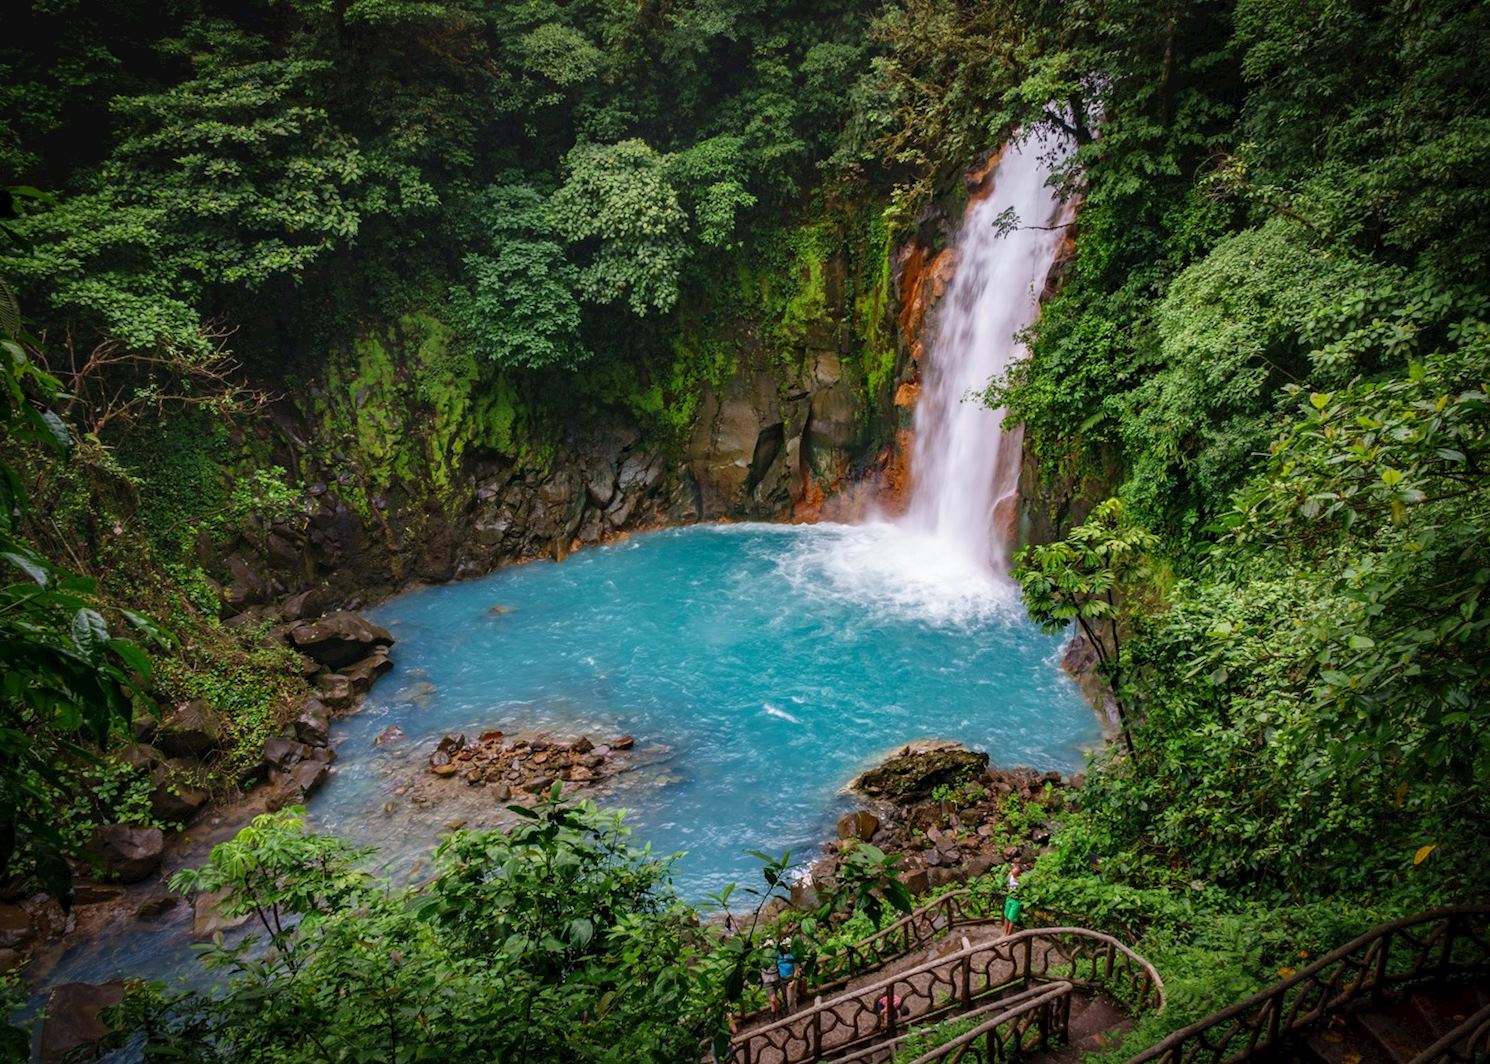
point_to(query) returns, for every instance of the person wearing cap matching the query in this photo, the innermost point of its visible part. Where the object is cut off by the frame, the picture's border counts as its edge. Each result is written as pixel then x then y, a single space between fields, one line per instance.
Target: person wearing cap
pixel 786 969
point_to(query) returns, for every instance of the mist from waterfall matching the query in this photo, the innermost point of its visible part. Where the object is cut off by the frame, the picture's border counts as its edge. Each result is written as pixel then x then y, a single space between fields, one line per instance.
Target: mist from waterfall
pixel 964 466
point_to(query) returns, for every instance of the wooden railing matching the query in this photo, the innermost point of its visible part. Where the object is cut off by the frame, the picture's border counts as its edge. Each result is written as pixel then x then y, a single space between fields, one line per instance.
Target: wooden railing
pixel 1469 1043
pixel 1437 945
pixel 1030 1024
pixel 1006 1009
pixel 950 985
pixel 919 928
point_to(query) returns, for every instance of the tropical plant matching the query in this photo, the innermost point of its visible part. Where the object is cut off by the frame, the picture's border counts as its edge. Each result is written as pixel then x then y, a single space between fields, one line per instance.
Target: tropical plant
pixel 1090 578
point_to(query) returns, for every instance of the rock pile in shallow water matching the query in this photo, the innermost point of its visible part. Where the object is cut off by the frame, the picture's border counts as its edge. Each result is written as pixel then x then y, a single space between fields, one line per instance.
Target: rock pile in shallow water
pixel 527 766
pixel 950 816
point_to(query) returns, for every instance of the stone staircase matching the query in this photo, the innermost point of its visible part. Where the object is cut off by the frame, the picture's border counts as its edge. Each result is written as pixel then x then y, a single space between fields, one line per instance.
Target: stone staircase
pixel 1397 1029
pixel 1415 991
pixel 1019 994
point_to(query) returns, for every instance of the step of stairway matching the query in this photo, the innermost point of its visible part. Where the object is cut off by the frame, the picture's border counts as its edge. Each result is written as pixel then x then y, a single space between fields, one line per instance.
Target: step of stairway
pixel 1094 1025
pixel 1393 1030
pixel 1398 1027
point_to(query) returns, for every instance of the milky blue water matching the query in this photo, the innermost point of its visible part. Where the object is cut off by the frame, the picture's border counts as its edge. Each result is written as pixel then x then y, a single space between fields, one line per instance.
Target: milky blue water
pixel 760 668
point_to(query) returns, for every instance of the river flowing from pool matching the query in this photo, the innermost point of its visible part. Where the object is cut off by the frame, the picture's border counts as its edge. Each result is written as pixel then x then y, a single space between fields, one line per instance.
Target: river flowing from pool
pixel 760 667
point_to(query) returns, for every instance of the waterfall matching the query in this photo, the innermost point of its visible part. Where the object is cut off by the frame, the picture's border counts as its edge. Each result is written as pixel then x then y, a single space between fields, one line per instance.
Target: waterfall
pixel 964 466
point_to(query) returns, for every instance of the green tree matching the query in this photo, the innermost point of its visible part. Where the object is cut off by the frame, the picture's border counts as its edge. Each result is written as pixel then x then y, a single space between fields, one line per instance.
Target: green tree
pixel 1090 577
pixel 67 682
pixel 618 210
pixel 553 941
pixel 519 303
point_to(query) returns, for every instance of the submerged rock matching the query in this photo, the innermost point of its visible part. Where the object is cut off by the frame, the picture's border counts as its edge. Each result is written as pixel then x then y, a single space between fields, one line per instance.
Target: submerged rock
pixel 154 908
pixel 207 918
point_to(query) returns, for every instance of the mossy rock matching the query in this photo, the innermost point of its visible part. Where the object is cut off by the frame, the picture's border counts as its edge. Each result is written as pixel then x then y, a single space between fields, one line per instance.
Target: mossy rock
pixel 914 772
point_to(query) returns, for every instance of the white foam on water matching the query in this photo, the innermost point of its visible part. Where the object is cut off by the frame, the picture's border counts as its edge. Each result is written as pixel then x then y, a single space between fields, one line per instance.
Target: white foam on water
pixel 780 714
pixel 893 571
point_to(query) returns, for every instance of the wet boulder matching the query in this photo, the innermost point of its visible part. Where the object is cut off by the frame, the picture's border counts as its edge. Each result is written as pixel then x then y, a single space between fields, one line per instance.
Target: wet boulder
pixel 246 586
pixel 313 723
pixel 305 606
pixel 916 880
pixel 916 771
pixel 298 784
pixel 191 729
pixel 141 756
pixel 125 852
pixel 860 824
pixel 280 753
pixel 363 674
pixel 73 1019
pixel 176 793
pixel 339 639
pixel 16 928
pixel 335 690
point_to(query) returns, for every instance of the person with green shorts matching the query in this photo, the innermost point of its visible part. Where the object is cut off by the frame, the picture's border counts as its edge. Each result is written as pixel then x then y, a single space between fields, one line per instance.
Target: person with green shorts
pixel 1011 902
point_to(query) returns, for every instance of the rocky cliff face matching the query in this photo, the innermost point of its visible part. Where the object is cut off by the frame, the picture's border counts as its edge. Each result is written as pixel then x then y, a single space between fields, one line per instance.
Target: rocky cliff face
pixel 414 467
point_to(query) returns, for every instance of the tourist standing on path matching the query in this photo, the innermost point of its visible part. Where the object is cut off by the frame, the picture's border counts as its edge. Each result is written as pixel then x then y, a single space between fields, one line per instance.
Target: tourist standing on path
pixel 771 979
pixel 1011 903
pixel 786 968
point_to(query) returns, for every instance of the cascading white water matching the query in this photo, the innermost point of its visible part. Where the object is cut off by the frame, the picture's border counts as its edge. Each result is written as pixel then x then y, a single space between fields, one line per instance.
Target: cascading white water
pixel 964 467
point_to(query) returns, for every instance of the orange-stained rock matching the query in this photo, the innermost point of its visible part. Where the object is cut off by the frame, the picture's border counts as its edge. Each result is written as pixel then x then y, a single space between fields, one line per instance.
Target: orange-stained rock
pixel 908 393
pixel 923 279
pixel 808 508
pixel 979 179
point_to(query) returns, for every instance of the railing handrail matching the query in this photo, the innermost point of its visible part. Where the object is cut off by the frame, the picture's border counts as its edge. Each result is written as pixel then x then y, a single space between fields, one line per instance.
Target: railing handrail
pixel 1051 992
pixel 981 1012
pixel 1279 990
pixel 887 984
pixel 910 921
pixel 1465 1042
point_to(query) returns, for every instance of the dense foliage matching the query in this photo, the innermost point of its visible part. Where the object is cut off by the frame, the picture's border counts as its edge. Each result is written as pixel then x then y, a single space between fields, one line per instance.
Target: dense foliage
pixel 1296 395
pixel 1274 329
pixel 548 170
pixel 553 941
pixel 67 682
